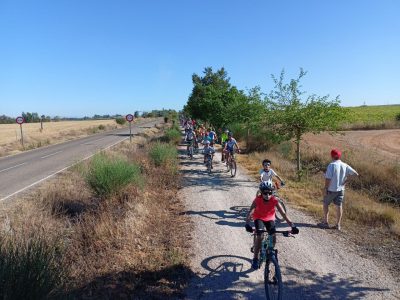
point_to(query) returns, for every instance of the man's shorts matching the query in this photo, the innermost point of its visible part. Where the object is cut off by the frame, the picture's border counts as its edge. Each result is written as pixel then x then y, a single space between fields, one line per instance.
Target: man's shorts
pixel 336 197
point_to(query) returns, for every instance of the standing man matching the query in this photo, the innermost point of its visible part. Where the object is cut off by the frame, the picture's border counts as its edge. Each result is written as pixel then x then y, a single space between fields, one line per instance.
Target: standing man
pixel 337 174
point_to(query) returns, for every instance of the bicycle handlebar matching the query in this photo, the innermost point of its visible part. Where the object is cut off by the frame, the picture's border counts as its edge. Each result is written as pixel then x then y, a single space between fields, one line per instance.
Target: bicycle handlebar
pixel 285 233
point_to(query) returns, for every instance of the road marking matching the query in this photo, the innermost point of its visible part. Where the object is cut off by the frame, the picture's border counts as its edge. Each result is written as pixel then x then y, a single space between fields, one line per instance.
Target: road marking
pixel 59 171
pixel 51 154
pixel 12 167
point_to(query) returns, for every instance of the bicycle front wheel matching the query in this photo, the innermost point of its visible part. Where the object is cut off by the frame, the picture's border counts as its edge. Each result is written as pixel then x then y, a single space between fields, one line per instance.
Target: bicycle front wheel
pixel 273 279
pixel 233 168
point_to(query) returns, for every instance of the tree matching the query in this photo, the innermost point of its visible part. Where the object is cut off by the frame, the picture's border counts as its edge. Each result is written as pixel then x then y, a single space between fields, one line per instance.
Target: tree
pixel 211 96
pixel 136 114
pixel 294 114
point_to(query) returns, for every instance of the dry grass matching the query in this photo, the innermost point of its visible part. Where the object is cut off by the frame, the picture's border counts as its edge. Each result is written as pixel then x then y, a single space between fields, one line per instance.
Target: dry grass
pixel 53 132
pixel 120 246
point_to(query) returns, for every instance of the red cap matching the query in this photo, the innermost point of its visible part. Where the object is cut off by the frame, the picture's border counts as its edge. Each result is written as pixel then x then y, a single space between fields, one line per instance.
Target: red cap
pixel 335 153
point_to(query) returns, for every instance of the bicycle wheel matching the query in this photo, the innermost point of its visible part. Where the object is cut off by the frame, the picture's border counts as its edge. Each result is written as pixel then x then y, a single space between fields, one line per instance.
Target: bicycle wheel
pixel 278 215
pixel 191 152
pixel 273 279
pixel 233 168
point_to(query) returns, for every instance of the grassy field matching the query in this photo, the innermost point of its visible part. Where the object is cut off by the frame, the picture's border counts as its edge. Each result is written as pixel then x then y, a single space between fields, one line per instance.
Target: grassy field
pixel 373 117
pixel 52 133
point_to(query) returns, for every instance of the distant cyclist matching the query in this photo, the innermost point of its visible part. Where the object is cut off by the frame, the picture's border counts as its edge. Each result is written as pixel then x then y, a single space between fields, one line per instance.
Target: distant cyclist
pixel 190 138
pixel 208 150
pixel 230 145
pixel 212 135
pixel 262 211
pixel 224 138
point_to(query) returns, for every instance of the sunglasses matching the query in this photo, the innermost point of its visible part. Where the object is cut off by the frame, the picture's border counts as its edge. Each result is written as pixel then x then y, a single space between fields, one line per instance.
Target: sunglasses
pixel 267 165
pixel 266 193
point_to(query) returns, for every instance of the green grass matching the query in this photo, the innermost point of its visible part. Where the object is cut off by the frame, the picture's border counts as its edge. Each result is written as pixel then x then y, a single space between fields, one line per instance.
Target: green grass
pixel 373 117
pixel 28 267
pixel 107 175
pixel 173 135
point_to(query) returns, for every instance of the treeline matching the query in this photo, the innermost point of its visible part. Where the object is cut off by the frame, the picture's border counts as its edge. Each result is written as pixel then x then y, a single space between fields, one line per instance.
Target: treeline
pixel 33 117
pixel 284 113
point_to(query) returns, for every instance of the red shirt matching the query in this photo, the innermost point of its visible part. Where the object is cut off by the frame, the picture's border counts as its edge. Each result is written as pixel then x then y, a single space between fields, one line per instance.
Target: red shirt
pixel 265 210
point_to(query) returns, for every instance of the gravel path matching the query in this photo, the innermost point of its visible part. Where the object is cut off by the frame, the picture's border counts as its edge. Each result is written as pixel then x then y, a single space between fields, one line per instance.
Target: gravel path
pixel 316 264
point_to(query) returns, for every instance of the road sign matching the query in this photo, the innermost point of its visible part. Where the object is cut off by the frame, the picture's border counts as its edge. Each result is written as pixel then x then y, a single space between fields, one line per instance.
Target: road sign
pixel 19 120
pixel 129 118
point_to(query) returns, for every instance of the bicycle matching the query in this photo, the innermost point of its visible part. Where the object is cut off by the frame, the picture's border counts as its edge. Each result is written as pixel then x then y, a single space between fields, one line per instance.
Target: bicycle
pixel 190 149
pixel 272 273
pixel 209 160
pixel 230 163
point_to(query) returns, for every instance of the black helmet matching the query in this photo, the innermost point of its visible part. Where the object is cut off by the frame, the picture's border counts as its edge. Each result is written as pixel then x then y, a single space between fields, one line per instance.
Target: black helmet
pixel 266 187
pixel 230 134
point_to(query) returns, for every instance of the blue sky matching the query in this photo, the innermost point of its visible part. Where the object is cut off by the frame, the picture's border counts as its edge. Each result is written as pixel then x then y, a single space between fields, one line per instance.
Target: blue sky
pixel 86 57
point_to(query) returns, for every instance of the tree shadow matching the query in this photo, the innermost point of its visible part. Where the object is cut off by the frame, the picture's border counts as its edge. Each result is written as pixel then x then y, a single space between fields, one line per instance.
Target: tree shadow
pixel 166 283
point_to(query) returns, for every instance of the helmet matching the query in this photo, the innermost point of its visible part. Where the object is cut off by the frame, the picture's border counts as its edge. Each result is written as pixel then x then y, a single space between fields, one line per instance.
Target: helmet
pixel 229 134
pixel 266 187
pixel 226 130
pixel 207 142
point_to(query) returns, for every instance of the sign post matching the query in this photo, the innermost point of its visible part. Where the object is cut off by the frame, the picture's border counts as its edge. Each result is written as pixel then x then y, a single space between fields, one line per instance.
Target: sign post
pixel 20 121
pixel 129 118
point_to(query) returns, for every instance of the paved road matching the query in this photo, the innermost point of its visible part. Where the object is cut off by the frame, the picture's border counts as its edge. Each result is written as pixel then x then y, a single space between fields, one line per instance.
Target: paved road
pixel 22 171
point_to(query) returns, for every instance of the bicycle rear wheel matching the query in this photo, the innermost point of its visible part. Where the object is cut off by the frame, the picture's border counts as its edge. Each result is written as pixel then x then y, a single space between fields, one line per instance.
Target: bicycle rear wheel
pixel 278 216
pixel 273 279
pixel 233 168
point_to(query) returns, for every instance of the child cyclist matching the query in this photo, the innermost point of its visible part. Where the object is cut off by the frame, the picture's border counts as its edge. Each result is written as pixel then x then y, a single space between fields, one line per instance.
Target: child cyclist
pixel 266 174
pixel 262 210
pixel 208 150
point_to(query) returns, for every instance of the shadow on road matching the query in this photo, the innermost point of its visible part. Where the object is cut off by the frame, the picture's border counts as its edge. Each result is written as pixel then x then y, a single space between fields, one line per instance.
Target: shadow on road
pixel 224 272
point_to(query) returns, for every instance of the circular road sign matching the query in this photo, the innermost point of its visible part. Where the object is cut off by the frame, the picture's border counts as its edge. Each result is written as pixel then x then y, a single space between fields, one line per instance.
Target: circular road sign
pixel 19 120
pixel 129 118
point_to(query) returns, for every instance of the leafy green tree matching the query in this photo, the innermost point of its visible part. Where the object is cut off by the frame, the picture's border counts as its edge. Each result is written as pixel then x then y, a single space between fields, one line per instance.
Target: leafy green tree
pixel 211 96
pixel 294 114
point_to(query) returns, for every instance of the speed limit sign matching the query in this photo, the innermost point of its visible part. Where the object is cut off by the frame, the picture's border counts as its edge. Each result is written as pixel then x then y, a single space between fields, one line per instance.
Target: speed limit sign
pixel 19 120
pixel 129 118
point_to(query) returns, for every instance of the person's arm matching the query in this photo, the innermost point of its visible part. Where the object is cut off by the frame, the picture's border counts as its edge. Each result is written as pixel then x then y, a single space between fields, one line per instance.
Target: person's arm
pixel 327 183
pixel 237 146
pixel 251 211
pixel 283 214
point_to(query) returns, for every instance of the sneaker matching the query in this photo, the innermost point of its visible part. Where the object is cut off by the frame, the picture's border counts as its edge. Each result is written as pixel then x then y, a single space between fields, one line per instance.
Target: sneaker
pixel 255 264
pixel 323 225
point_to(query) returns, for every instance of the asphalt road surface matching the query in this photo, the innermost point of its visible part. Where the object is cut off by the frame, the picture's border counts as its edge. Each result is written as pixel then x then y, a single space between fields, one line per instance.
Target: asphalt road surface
pixel 23 171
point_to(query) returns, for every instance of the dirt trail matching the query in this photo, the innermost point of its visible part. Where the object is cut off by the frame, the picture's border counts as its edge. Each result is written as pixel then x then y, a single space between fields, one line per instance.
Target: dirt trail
pixel 315 265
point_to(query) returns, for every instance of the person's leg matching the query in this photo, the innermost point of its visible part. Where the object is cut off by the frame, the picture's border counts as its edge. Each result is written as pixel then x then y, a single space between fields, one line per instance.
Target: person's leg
pixel 338 201
pixel 328 198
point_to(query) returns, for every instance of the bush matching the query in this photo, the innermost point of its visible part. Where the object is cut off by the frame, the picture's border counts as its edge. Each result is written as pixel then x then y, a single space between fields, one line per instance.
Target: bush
pixel 163 154
pixel 173 135
pixel 398 117
pixel 107 176
pixel 28 268
pixel 120 121
pixel 102 127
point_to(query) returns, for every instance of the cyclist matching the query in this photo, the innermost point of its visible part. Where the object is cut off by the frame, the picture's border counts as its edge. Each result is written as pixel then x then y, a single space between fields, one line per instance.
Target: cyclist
pixel 266 174
pixel 262 210
pixel 230 146
pixel 224 138
pixel 208 150
pixel 190 138
pixel 212 135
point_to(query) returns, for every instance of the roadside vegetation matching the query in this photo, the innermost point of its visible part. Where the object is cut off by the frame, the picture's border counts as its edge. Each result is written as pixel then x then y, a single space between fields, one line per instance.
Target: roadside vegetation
pixel 372 117
pixel 109 227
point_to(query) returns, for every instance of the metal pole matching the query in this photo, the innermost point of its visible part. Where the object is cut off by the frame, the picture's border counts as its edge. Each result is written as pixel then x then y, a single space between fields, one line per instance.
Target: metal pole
pixel 130 132
pixel 22 136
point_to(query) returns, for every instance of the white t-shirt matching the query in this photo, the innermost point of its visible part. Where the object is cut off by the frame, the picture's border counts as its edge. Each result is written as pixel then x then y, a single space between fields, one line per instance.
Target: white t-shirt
pixel 267 176
pixel 337 172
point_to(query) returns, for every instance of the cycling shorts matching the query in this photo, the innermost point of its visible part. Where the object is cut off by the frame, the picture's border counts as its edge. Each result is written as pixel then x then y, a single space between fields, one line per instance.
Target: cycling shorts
pixel 264 225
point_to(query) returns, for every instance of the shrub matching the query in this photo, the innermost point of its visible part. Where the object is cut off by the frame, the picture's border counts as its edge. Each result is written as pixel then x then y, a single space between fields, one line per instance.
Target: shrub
pixel 28 267
pixel 102 127
pixel 398 117
pixel 120 121
pixel 173 135
pixel 107 175
pixel 163 154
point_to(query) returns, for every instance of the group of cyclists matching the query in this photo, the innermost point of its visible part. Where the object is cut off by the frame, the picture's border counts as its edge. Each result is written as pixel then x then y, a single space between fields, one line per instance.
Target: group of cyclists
pixel 262 209
pixel 196 134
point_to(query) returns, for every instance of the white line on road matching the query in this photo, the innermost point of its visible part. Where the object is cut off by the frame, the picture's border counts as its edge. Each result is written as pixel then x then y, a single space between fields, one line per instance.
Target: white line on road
pixel 51 154
pixel 12 167
pixel 59 171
